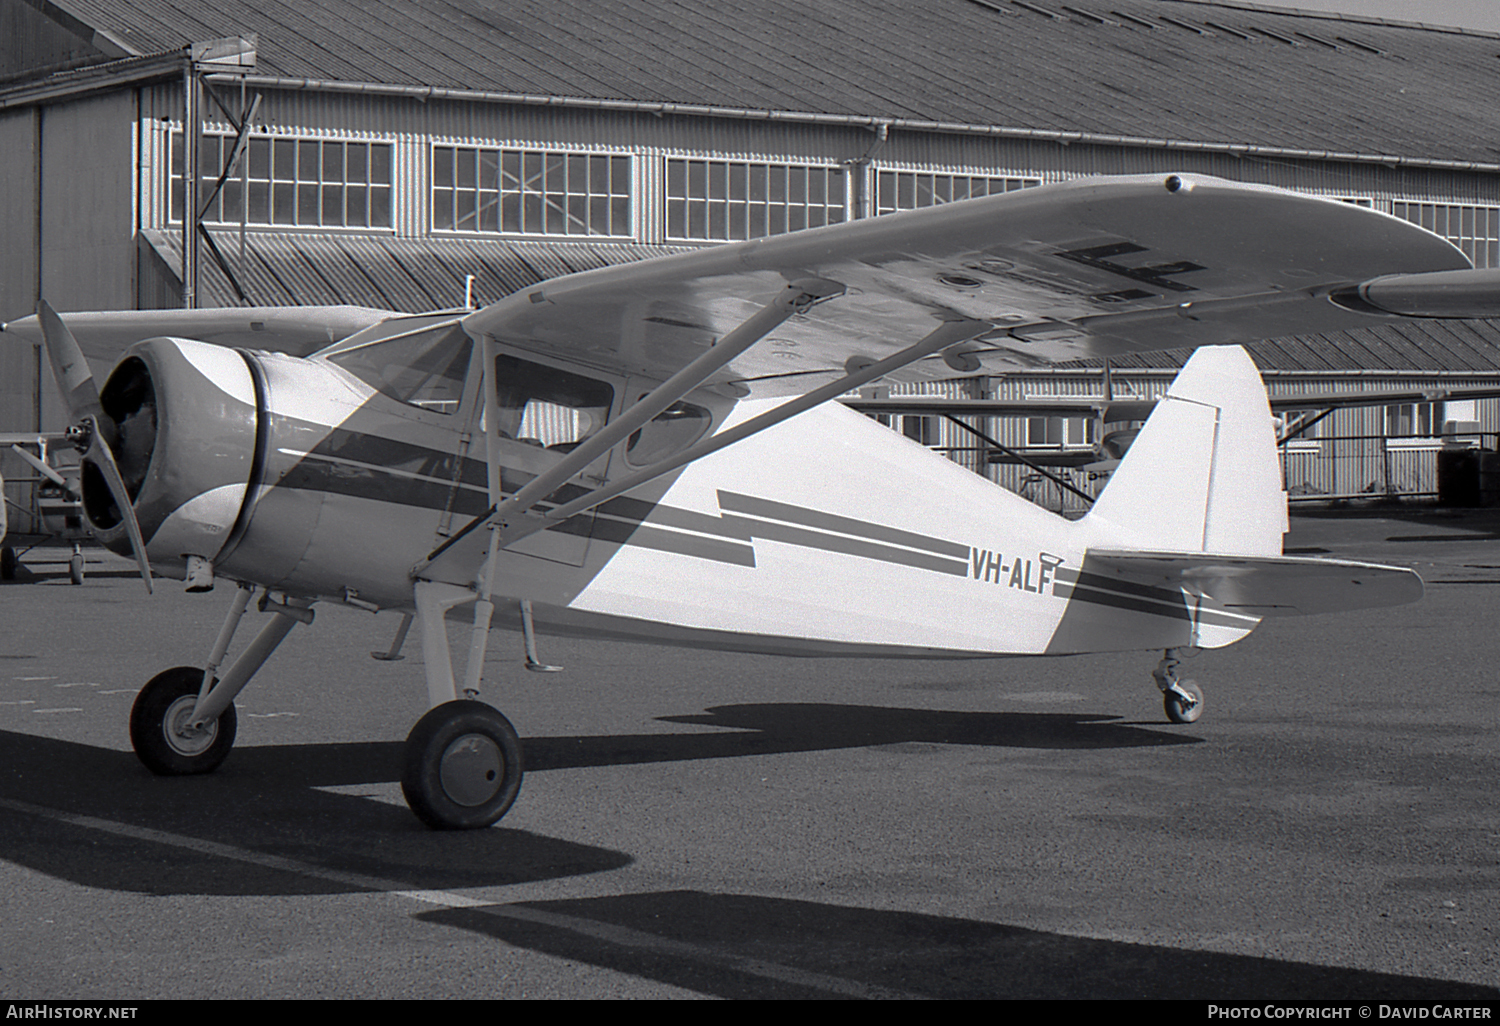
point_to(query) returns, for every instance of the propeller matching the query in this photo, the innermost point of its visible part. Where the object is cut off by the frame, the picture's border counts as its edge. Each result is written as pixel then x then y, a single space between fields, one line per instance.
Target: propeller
pixel 93 430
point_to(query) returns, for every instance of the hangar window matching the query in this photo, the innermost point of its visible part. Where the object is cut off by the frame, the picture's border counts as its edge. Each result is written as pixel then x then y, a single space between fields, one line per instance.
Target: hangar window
pixel 1059 432
pixel 1473 229
pixel 732 201
pixel 1412 421
pixel 908 190
pixel 296 182
pixel 530 192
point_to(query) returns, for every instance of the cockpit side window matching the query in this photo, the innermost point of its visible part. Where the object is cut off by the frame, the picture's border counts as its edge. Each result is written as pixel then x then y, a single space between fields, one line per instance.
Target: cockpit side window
pixel 425 368
pixel 547 407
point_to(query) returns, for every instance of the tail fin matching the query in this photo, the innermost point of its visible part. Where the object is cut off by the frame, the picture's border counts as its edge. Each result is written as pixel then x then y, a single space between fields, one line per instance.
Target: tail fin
pixel 1203 474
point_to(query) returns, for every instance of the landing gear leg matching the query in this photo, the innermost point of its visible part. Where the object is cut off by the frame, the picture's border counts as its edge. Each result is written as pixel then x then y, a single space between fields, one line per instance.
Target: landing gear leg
pixel 1181 699
pixel 462 768
pixel 183 720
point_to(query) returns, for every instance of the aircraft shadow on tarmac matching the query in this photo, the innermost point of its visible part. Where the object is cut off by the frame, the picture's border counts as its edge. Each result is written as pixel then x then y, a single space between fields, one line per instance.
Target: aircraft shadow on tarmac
pixel 274 800
pixel 740 946
pixel 772 728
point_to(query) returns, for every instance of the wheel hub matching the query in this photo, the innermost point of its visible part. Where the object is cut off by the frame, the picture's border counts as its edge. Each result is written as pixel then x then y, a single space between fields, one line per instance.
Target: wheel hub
pixel 178 730
pixel 472 770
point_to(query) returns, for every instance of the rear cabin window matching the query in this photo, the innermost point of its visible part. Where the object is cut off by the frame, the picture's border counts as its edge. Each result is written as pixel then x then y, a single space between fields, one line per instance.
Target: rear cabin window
pixel 668 433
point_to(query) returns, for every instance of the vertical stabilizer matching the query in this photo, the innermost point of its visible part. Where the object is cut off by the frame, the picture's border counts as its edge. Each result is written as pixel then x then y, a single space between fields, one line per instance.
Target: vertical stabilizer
pixel 1203 475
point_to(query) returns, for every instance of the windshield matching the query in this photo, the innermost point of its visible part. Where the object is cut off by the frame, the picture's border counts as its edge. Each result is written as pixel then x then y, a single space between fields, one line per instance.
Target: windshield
pixel 425 367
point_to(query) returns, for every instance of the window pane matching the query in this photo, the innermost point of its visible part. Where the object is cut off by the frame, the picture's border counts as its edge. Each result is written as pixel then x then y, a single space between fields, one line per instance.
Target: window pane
pixel 380 163
pixel 260 159
pixel 307 160
pixel 442 167
pixel 284 203
pixel 308 205
pixel 284 160
pixel 356 156
pixel 380 206
pixel 355 213
pixel 442 208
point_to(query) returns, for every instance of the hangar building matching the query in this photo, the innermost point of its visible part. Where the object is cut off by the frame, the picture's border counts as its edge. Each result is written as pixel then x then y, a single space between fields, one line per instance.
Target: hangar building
pixel 420 155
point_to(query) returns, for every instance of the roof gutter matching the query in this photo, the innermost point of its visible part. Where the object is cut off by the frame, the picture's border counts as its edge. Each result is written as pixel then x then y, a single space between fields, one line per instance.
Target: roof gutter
pixel 94 78
pixel 426 93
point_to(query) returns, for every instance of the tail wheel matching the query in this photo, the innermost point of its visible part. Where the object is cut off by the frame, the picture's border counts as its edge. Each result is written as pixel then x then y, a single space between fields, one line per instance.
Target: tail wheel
pixel 462 766
pixel 160 728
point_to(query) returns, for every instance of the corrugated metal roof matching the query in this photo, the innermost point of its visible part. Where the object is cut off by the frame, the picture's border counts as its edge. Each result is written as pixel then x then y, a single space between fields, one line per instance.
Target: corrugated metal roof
pixel 387 272
pixel 1186 70
pixel 417 275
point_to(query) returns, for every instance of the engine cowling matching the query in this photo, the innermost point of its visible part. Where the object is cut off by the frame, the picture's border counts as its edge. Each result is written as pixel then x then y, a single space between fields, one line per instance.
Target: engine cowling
pixel 187 425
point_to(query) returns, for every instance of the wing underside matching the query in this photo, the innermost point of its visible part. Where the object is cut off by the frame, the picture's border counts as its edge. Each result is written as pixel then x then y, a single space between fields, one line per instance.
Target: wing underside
pixel 1088 268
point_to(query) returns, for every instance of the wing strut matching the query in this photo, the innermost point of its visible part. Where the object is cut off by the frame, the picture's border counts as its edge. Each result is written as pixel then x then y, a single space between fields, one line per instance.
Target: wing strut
pixel 512 529
pixel 796 298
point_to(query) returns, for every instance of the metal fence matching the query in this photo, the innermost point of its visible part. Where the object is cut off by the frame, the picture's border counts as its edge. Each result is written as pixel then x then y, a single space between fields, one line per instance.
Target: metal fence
pixel 1336 467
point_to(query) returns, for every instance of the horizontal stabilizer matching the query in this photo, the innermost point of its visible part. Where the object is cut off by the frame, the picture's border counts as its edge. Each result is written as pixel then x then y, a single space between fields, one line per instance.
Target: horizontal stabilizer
pixel 1268 585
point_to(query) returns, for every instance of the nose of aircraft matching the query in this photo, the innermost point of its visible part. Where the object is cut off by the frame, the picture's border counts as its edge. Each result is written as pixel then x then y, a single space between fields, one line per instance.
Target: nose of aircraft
pixel 92 430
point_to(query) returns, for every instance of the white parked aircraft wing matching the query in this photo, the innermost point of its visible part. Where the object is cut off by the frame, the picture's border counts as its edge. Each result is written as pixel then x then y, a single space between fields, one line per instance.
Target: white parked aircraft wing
pixel 298 330
pixel 1088 268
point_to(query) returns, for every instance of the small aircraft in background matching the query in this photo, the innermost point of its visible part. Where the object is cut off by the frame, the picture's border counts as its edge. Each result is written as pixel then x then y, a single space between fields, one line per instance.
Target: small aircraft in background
pixel 650 451
pixel 58 502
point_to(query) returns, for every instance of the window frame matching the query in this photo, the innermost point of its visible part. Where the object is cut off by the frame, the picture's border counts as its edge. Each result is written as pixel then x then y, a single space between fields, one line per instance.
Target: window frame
pixel 1482 249
pixel 617 208
pixel 262 151
pixel 733 214
pixel 879 207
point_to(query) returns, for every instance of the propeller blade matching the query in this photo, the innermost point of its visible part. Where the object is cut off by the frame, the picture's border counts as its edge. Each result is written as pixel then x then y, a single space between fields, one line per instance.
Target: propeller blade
pixel 74 379
pixel 98 451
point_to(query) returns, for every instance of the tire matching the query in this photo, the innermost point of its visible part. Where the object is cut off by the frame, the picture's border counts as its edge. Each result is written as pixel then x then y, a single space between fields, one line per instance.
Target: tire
pixel 75 568
pixel 167 698
pixel 1179 711
pixel 8 564
pixel 463 766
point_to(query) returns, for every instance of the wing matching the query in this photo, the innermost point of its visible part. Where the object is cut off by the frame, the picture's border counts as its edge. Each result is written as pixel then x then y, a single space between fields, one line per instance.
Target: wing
pixel 298 330
pixel 1088 268
pixel 1268 585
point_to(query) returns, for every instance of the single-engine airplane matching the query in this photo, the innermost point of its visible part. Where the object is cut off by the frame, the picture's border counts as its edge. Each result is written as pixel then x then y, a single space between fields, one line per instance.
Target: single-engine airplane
pixel 648 451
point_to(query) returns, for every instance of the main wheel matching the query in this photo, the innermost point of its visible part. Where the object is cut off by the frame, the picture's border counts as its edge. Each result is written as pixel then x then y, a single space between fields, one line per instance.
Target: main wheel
pixel 1180 710
pixel 159 728
pixel 8 564
pixel 463 766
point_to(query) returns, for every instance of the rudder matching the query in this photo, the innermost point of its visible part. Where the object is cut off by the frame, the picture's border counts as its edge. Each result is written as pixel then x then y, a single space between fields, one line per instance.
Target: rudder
pixel 1203 475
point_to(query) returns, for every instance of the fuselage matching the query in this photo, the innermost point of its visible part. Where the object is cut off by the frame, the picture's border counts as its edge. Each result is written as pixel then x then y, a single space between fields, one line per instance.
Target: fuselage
pixel 827 534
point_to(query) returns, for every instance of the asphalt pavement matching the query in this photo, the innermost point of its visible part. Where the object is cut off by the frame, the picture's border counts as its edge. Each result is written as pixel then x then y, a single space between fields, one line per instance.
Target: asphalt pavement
pixel 699 824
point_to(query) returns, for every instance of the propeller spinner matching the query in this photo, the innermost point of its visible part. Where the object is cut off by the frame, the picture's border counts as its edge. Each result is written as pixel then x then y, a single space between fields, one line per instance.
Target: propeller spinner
pixel 92 431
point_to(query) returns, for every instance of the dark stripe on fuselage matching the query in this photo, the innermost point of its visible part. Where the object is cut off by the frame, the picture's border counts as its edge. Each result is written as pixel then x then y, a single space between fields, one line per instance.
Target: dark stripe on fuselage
pixel 381 469
pixel 767 509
